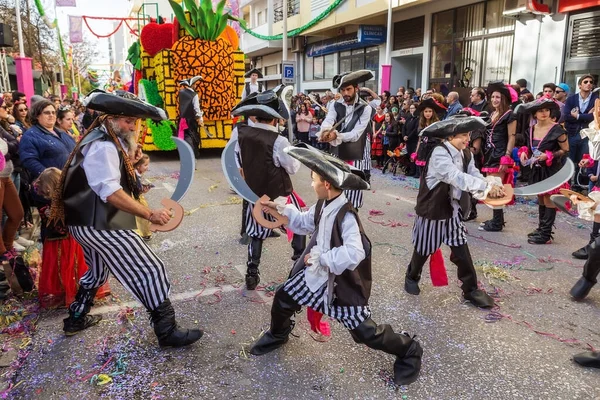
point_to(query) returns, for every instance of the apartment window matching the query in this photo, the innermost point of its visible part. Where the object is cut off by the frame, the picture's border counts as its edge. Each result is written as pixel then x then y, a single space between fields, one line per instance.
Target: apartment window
pixel 271 70
pixel 293 9
pixel 471 46
pixel 321 67
pixel 259 18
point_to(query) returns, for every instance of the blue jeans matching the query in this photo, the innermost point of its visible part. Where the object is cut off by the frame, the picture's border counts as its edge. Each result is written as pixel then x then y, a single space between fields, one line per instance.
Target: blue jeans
pixel 577 148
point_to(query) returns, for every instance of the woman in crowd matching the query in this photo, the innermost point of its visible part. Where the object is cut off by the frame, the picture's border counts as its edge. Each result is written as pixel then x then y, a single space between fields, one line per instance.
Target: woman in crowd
pixel 303 121
pixel 428 111
pixel 500 143
pixel 64 122
pixel 20 114
pixel 391 133
pixel 410 131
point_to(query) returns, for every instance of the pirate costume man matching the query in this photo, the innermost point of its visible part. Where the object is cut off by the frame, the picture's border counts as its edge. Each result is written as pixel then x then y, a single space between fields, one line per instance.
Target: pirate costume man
pixel 95 199
pixel 448 177
pixel 190 114
pixel 333 276
pixel 349 140
pixel 266 169
pixel 252 86
pixel 499 146
pixel 544 154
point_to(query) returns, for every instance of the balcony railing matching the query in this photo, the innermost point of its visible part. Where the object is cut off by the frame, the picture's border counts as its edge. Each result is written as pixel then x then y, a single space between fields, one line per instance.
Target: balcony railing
pixel 293 9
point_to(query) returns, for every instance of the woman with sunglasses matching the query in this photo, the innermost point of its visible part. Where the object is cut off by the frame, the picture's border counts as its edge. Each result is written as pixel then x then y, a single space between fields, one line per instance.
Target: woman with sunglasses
pixel 20 114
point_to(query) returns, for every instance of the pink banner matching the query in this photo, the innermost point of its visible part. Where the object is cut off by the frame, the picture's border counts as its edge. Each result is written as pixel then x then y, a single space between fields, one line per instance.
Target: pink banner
pixel 75 29
pixel 66 3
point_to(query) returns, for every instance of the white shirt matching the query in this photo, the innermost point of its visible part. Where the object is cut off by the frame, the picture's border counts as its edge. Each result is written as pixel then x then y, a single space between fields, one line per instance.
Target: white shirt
pixel 336 260
pixel 101 166
pixel 196 103
pixel 448 168
pixel 280 159
pixel 358 129
pixel 253 88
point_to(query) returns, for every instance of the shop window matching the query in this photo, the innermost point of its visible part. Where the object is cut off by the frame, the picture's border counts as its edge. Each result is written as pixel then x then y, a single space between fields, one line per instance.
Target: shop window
pixel 469 21
pixel 318 68
pixel 443 24
pixel 361 59
pixel 409 33
pixel 321 67
pixel 308 68
pixel 497 60
pixel 329 66
pixel 495 22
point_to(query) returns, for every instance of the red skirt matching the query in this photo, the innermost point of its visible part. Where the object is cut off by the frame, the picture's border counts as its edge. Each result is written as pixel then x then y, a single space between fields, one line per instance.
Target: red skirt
pixel 62 266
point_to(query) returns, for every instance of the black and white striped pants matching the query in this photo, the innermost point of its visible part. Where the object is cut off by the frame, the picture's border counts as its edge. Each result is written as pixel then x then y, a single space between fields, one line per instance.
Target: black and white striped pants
pixel 254 229
pixel 428 235
pixel 128 257
pixel 351 316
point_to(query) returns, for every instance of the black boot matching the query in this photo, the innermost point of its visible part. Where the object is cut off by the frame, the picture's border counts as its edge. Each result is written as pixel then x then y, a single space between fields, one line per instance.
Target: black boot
pixel 408 351
pixel 298 245
pixel 254 253
pixel 591 269
pixel 282 310
pixel 496 224
pixel 461 257
pixel 590 359
pixel 544 235
pixel 582 253
pixel 166 329
pixel 413 273
pixel 542 211
pixel 79 319
pixel 275 234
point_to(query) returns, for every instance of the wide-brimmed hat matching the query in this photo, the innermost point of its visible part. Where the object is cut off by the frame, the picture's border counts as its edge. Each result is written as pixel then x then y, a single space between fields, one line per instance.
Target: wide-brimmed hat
pixel 253 71
pixel 433 104
pixel 540 104
pixel 453 126
pixel 334 171
pixel 265 105
pixel 505 90
pixel 122 103
pixel 351 78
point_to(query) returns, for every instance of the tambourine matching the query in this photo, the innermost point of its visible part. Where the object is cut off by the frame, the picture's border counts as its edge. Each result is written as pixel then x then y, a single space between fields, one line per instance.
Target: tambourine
pixel 257 213
pixel 176 216
pixel 501 201
pixel 568 193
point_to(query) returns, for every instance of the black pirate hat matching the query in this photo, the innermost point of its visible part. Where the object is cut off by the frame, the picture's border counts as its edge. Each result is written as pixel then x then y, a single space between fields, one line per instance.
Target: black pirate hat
pixel 253 71
pixel 351 78
pixel 540 104
pixel 433 104
pixel 265 105
pixel 334 171
pixel 122 103
pixel 505 90
pixel 453 126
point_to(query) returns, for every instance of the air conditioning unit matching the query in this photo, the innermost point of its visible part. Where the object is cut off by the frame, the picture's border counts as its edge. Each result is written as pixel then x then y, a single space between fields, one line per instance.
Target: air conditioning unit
pixel 298 44
pixel 514 8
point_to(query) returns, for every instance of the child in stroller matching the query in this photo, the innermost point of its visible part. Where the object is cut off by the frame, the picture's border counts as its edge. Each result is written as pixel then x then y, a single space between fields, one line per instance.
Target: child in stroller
pixel 398 159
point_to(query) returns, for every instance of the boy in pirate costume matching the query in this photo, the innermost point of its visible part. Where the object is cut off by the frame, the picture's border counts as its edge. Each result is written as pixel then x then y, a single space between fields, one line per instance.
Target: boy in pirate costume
pixel 448 177
pixel 333 276
pixel 95 199
pixel 266 169
pixel 190 114
pixel 351 117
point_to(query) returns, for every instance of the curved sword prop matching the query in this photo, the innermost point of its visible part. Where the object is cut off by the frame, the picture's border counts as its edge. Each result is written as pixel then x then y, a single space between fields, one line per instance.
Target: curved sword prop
pixel 186 177
pixel 233 176
pixel 549 184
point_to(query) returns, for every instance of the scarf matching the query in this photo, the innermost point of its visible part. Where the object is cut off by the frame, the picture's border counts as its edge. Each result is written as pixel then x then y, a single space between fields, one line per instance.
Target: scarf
pixel 57 210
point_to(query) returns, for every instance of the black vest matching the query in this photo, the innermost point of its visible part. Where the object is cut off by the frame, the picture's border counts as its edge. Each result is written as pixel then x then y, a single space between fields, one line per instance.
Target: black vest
pixel 436 203
pixel 186 105
pixel 83 207
pixel 260 87
pixel 260 172
pixel 350 151
pixel 351 288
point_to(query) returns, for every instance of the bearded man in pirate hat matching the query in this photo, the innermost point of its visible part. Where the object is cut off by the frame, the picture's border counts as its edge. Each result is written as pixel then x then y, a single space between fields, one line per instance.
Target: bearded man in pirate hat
pixel 349 139
pixel 95 199
pixel 266 169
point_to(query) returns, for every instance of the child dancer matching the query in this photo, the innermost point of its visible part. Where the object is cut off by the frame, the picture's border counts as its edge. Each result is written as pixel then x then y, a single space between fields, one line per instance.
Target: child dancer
pixel 333 276
pixel 63 263
pixel 143 225
pixel 448 177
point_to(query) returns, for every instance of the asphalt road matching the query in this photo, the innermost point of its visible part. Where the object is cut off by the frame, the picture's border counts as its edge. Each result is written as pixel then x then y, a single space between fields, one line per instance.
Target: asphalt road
pixel 522 350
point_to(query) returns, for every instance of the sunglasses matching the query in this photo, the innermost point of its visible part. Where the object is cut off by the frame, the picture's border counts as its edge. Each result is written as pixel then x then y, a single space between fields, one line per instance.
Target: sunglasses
pixel 49 112
pixel 559 91
pixel 587 81
pixel 22 109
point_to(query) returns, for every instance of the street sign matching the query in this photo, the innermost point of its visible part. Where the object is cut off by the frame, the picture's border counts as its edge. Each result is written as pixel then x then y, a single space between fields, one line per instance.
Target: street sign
pixel 288 76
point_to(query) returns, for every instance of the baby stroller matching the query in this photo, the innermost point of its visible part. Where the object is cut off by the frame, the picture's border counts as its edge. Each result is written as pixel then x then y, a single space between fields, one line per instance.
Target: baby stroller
pixel 398 159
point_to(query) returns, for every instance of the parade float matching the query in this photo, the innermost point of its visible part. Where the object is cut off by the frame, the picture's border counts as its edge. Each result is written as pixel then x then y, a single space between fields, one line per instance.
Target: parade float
pixel 198 42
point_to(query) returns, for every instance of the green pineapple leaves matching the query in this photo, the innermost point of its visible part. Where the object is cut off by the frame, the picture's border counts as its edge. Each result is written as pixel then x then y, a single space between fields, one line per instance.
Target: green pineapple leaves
pixel 208 23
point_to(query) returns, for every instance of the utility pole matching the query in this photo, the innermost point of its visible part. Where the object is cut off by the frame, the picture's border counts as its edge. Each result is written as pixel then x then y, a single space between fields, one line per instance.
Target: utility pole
pixel 23 65
pixel 284 37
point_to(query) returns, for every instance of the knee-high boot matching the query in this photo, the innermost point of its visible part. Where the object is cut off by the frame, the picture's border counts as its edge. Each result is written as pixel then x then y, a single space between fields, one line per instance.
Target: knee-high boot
pixel 542 211
pixel 461 257
pixel 79 319
pixel 496 224
pixel 282 310
pixel 166 329
pixel 591 269
pixel 544 235
pixel 254 254
pixel 408 351
pixel 298 245
pixel 413 273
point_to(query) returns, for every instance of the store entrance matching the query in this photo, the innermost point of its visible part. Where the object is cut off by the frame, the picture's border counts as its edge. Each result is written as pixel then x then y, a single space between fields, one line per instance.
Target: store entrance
pixel 406 71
